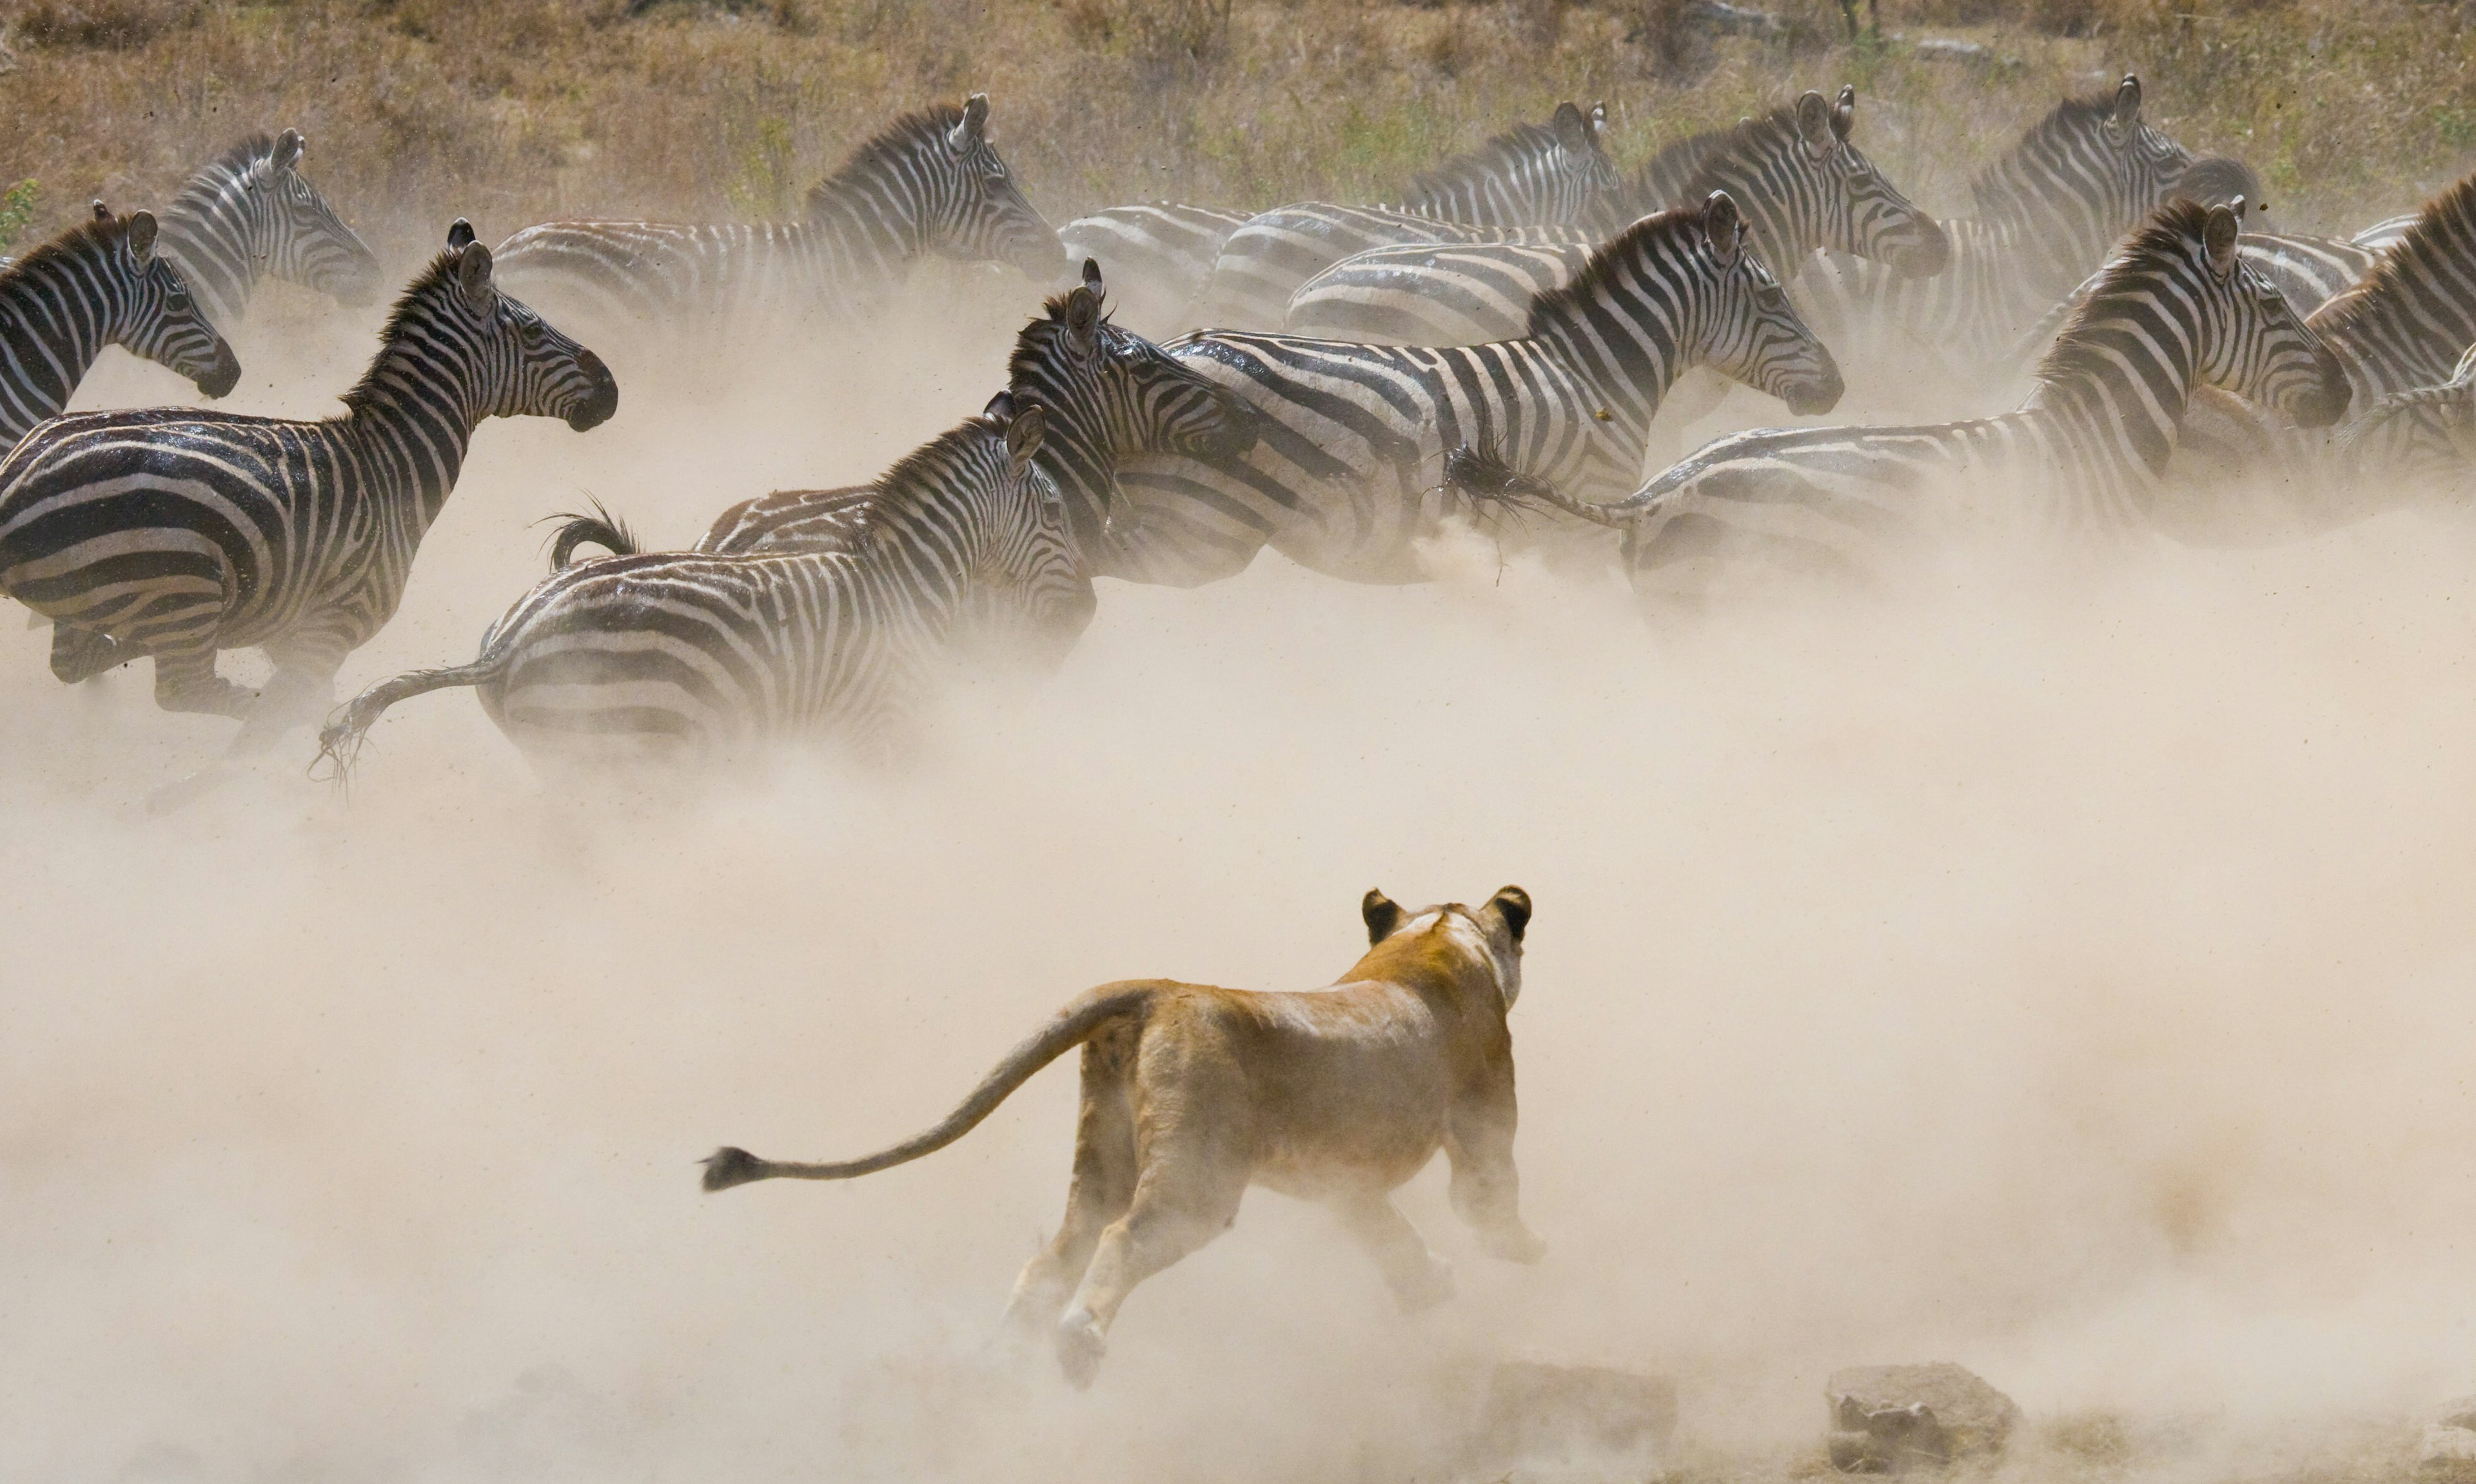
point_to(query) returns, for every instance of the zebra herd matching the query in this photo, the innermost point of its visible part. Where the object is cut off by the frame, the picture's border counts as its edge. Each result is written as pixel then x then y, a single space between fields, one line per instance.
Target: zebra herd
pixel 1503 346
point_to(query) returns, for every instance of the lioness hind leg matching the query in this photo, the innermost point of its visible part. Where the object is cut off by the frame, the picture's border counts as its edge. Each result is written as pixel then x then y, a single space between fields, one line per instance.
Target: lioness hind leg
pixel 1418 1278
pixel 1103 1184
pixel 1176 1210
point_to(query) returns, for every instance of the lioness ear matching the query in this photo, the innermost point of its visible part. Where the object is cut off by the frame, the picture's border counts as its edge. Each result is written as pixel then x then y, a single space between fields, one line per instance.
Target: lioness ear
pixel 1514 905
pixel 1383 914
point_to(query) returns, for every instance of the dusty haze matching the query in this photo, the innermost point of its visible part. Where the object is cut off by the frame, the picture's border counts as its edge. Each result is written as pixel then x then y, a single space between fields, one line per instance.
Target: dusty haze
pixel 2074 983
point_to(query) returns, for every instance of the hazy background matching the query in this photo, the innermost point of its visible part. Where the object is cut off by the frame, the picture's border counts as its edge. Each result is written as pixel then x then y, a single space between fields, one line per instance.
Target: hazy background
pixel 2075 983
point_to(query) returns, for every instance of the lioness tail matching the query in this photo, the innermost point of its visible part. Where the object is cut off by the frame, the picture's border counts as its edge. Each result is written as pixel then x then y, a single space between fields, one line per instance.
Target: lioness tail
pixel 1077 1023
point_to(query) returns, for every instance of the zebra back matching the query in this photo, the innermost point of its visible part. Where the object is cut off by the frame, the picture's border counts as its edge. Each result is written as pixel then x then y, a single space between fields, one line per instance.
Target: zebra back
pixel 1530 175
pixel 1157 256
pixel 249 212
pixel 100 283
pixel 2408 321
pixel 2422 440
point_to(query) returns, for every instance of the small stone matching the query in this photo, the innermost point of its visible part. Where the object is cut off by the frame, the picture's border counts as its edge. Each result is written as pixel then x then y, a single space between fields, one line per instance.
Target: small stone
pixel 1885 1419
pixel 1537 1409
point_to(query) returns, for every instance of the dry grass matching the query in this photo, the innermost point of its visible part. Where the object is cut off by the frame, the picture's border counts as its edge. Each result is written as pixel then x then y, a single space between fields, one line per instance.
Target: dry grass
pixel 517 110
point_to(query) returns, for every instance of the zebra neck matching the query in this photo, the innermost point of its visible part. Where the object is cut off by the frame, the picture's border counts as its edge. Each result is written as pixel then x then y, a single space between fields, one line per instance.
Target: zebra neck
pixel 415 419
pixel 220 243
pixel 2109 433
pixel 2027 262
pixel 52 328
pixel 1621 367
pixel 868 223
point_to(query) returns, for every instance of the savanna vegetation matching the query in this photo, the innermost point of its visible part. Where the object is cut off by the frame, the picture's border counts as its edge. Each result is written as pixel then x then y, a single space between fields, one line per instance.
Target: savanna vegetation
pixel 519 110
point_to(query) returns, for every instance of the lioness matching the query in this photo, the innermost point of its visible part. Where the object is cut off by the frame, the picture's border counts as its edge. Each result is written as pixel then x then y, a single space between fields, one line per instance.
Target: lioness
pixel 1191 1094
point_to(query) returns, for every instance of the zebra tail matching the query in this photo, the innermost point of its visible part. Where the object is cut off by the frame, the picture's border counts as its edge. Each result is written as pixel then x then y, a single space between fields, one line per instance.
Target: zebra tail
pixel 600 529
pixel 1485 477
pixel 1085 1017
pixel 339 742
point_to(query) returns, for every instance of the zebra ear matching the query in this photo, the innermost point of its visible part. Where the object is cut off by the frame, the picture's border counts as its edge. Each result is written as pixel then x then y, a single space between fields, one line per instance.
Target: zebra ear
pixel 141 237
pixel 1722 228
pixel 1023 434
pixel 102 212
pixel 1844 113
pixel 1382 914
pixel 2127 105
pixel 288 149
pixel 1572 131
pixel 1598 119
pixel 459 234
pixel 1083 318
pixel 975 121
pixel 1092 275
pixel 2219 235
pixel 1000 407
pixel 1813 124
pixel 473 275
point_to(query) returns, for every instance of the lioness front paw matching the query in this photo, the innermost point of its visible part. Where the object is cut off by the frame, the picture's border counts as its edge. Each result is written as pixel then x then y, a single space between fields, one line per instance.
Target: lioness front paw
pixel 1080 1348
pixel 1520 1245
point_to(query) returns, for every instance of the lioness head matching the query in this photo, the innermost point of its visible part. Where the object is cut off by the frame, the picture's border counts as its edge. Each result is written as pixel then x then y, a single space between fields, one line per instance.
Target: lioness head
pixel 1492 932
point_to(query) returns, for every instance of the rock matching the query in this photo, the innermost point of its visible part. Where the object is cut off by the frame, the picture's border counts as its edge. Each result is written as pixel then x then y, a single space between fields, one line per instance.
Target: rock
pixel 1951 49
pixel 2448 1446
pixel 1535 1408
pixel 1888 1418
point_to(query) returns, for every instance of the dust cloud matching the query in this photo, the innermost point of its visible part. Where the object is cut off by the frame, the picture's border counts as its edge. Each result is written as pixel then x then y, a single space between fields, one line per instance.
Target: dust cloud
pixel 2069 980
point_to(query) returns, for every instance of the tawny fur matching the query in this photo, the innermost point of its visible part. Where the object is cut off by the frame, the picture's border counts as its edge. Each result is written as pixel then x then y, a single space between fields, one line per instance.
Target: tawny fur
pixel 1191 1094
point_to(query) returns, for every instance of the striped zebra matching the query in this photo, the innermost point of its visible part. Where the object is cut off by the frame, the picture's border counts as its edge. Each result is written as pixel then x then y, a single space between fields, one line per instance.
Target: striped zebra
pixel 1801 182
pixel 100 283
pixel 930 183
pixel 2082 459
pixel 249 213
pixel 2049 212
pixel 1343 475
pixel 177 535
pixel 1546 187
pixel 705 658
pixel 1107 394
pixel 2420 441
pixel 1157 256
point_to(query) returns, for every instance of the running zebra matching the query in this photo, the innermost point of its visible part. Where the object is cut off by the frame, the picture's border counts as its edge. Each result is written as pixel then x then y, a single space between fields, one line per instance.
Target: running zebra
pixel 705 658
pixel 930 183
pixel 2421 442
pixel 249 212
pixel 2048 211
pixel 1107 393
pixel 1546 187
pixel 1801 183
pixel 1344 473
pixel 100 283
pixel 2081 461
pixel 177 534
pixel 1157 255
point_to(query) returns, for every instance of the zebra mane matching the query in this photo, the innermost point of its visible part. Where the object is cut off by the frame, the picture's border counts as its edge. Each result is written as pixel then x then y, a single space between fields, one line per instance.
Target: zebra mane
pixel 898 139
pixel 440 274
pixel 1038 332
pixel 67 244
pixel 2435 249
pixel 1661 181
pixel 2165 241
pixel 923 472
pixel 1612 258
pixel 1500 155
pixel 2072 118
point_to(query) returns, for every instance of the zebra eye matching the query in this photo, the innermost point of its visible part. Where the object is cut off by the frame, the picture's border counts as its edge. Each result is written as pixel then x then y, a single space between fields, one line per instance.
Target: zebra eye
pixel 530 330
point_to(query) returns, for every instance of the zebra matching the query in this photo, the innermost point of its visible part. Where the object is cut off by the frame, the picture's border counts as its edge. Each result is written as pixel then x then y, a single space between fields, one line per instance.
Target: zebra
pixel 1157 255
pixel 249 213
pixel 1106 394
pixel 2413 441
pixel 2050 210
pixel 930 183
pixel 104 282
pixel 1341 477
pixel 1801 182
pixel 177 535
pixel 2081 459
pixel 704 656
pixel 1543 185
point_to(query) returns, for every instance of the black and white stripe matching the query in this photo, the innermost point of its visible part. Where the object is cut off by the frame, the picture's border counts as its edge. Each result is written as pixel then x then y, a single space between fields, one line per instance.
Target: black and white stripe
pixel 177 535
pixel 1156 256
pixel 1344 474
pixel 1532 186
pixel 2047 213
pixel 250 213
pixel 1802 185
pixel 2080 461
pixel 931 182
pixel 694 657
pixel 100 283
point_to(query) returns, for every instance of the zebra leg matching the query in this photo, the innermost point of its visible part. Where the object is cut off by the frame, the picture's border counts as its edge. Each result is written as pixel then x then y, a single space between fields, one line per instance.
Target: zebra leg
pixel 83 653
pixel 185 681
pixel 301 689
